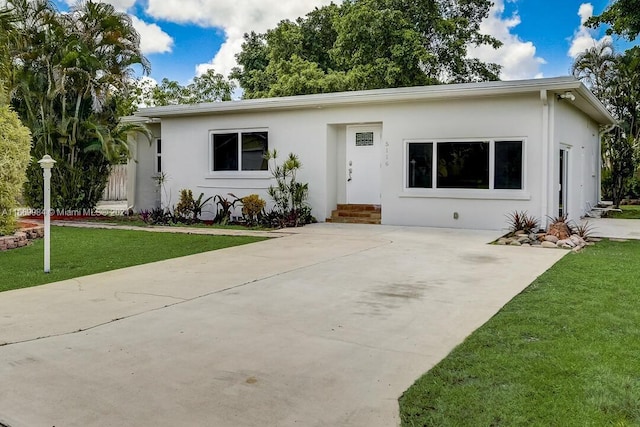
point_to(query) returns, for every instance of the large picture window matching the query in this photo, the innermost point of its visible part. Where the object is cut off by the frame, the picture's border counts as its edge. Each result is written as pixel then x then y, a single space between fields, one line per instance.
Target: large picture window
pixel 239 150
pixel 482 164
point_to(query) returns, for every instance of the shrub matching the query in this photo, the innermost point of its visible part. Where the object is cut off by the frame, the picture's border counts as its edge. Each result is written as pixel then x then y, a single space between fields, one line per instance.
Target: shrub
pixel 224 207
pixel 522 221
pixel 289 195
pixel 252 208
pixel 188 209
pixel 15 146
pixel 184 209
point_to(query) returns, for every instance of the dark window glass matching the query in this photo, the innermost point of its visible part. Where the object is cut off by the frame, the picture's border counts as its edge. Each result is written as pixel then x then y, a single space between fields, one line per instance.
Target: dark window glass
pixel 158 155
pixel 463 165
pixel 225 151
pixel 508 166
pixel 420 165
pixel 254 148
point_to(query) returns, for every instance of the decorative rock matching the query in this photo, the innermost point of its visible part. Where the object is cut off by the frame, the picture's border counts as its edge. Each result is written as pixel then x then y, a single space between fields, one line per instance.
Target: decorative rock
pixel 523 239
pixel 551 238
pixel 501 241
pixel 565 243
pixel 579 241
pixel 577 249
pixel 559 229
pixel 515 243
pixel 547 244
pixel 520 232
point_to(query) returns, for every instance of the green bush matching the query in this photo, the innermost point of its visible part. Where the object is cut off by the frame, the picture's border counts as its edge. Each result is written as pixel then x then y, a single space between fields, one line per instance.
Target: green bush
pixel 15 146
pixel 252 207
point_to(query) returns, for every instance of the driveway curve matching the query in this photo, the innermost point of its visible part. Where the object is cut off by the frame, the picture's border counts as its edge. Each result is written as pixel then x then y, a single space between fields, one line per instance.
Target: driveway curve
pixel 324 327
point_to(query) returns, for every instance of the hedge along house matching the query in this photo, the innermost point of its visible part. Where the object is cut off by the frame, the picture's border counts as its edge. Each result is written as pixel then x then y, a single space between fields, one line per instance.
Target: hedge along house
pixel 461 155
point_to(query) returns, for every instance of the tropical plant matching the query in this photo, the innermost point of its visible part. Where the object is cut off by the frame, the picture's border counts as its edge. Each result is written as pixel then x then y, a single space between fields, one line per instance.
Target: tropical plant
pixel 289 195
pixel 15 144
pixel 65 72
pixel 224 207
pixel 521 220
pixel 615 79
pixel 252 208
pixel 189 209
pixel 584 230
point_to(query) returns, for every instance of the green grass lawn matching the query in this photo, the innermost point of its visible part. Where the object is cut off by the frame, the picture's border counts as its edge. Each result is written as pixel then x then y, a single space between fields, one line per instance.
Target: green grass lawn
pixel 565 352
pixel 628 212
pixel 78 252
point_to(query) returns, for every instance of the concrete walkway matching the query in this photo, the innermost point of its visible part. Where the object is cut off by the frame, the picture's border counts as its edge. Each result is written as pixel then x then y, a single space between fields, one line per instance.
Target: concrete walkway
pixel 324 327
pixel 615 228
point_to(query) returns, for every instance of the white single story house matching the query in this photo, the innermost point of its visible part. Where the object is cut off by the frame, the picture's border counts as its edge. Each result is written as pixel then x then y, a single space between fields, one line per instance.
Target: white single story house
pixel 460 155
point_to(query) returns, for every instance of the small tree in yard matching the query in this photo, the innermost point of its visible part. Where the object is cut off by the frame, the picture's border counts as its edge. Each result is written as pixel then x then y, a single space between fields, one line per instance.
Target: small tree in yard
pixel 289 195
pixel 15 145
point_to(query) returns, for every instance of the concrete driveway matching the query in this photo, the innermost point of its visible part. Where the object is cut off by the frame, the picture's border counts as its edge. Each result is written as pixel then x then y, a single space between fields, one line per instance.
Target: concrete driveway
pixel 325 327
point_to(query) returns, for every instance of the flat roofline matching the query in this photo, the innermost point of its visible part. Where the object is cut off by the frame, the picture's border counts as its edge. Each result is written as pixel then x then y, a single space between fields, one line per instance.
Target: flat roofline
pixel 587 102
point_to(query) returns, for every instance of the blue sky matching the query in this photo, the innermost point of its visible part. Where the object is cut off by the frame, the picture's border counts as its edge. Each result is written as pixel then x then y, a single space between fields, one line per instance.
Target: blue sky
pixel 183 38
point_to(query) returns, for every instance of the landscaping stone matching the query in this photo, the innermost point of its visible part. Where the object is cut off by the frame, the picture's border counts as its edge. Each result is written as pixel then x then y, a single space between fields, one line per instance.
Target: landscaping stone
pixel 547 244
pixel 515 243
pixel 551 238
pixel 21 238
pixel 560 230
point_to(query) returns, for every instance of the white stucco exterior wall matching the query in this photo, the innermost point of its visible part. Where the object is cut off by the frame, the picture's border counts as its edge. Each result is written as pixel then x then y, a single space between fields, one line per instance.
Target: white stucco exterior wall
pixel 580 135
pixel 318 134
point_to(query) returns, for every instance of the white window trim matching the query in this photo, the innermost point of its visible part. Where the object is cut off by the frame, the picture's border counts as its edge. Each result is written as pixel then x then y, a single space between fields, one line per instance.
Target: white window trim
pixel 236 174
pixel 158 155
pixel 465 193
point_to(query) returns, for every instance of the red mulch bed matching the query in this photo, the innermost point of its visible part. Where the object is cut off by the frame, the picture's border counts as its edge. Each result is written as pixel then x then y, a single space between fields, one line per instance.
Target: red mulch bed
pixel 25 224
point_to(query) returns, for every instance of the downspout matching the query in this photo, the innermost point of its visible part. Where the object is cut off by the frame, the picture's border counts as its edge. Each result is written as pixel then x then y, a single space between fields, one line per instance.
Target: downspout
pixel 545 157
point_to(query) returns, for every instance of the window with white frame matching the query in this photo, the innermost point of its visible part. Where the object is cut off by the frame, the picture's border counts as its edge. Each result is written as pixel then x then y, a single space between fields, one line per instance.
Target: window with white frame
pixel 158 165
pixel 242 150
pixel 481 164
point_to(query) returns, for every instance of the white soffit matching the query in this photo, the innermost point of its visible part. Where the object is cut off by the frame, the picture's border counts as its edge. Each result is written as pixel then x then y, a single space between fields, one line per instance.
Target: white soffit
pixel 585 100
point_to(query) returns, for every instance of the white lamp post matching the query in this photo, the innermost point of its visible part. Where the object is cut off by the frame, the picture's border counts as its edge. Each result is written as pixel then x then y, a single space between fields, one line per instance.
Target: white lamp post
pixel 46 163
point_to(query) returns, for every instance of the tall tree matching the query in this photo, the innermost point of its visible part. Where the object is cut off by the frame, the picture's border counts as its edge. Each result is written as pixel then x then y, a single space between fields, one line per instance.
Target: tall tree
pixel 367 44
pixel 623 16
pixel 65 71
pixel 615 80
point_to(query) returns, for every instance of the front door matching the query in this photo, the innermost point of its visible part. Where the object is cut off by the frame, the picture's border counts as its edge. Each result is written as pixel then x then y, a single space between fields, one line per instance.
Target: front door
pixel 363 164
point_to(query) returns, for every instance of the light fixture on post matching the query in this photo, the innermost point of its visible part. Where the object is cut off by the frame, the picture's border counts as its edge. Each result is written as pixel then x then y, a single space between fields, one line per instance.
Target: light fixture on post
pixel 567 95
pixel 46 163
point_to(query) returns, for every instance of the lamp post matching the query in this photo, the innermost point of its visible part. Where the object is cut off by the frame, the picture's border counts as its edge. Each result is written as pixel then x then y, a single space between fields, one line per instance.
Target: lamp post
pixel 46 163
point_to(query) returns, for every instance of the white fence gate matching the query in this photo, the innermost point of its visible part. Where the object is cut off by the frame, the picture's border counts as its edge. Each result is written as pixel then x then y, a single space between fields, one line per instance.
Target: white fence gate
pixel 116 189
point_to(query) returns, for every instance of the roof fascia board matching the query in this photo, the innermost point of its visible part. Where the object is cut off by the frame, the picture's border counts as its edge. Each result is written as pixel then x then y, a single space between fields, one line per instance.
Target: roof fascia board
pixel 405 94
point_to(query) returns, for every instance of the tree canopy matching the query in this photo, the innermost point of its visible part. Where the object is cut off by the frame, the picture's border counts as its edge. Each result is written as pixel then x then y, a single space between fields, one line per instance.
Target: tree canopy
pixel 64 72
pixel 623 16
pixel 367 44
pixel 615 80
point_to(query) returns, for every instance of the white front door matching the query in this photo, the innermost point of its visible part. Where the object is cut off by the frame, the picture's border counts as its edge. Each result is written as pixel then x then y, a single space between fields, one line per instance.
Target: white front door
pixel 363 164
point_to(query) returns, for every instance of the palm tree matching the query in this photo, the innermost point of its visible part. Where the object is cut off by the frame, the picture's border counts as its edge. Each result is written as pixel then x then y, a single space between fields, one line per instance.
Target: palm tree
pixel 596 67
pixel 65 72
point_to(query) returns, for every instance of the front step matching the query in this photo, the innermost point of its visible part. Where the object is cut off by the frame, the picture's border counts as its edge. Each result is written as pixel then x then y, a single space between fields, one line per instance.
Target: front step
pixel 356 214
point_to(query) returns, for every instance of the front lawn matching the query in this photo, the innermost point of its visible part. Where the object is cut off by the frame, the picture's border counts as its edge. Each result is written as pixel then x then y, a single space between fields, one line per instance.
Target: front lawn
pixel 562 353
pixel 628 212
pixel 78 252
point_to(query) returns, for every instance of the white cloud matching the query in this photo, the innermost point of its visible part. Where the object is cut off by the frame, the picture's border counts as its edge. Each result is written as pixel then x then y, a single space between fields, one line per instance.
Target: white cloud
pixel 152 38
pixel 517 57
pixel 583 37
pixel 234 17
